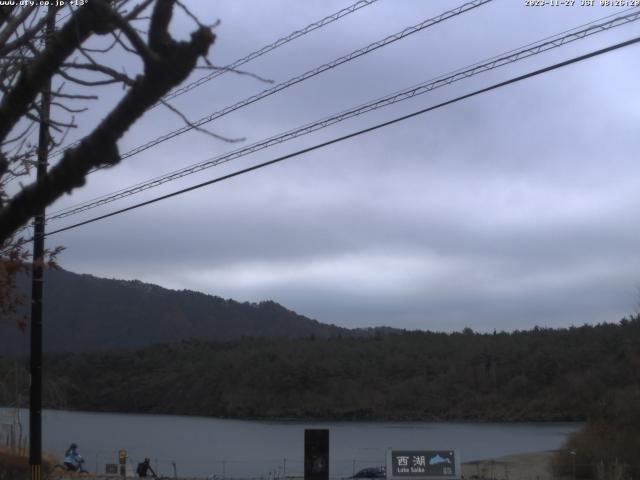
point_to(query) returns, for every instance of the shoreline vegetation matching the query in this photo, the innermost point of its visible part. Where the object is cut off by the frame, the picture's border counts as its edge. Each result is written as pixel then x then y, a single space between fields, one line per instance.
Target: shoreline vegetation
pixel 550 375
pixel 589 373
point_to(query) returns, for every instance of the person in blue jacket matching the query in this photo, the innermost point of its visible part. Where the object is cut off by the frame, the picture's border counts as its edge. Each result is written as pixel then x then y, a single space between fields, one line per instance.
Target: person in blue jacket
pixel 72 459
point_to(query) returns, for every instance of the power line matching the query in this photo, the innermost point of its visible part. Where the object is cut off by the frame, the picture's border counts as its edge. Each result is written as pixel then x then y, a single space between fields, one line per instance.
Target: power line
pixel 253 55
pixel 460 74
pixel 267 48
pixel 492 63
pixel 359 132
pixel 309 74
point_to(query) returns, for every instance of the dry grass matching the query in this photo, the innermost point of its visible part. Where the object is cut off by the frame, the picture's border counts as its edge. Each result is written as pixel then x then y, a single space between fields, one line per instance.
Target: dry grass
pixel 525 466
pixel 16 467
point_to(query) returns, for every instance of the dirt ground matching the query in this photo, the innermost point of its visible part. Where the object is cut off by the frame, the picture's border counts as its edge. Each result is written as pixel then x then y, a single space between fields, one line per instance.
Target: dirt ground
pixel 525 466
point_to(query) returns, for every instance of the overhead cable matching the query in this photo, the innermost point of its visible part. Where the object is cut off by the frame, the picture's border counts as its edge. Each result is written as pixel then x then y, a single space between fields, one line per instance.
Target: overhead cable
pixel 272 46
pixel 253 55
pixel 357 133
pixel 486 65
pixel 310 74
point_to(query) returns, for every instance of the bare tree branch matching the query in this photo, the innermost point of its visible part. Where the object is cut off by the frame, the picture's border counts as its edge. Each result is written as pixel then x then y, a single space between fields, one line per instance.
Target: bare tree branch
pixel 141 48
pixel 159 39
pixel 189 14
pixel 20 135
pixel 85 21
pixel 236 71
pixel 200 129
pixel 173 62
pixel 68 109
pixel 133 15
pixel 27 63
pixel 106 49
pixel 74 96
pixel 26 36
pixel 87 83
pixel 5 13
pixel 14 23
pixel 95 67
pixel 124 45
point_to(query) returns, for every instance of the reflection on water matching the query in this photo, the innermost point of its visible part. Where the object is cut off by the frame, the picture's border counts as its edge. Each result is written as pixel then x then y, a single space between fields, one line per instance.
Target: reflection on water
pixel 202 446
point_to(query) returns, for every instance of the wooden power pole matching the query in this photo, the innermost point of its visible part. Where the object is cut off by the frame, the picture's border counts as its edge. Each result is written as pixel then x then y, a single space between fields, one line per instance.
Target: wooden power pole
pixel 35 388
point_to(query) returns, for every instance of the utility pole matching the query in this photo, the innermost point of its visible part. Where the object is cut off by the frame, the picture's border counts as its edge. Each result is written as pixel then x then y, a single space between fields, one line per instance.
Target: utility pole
pixel 35 387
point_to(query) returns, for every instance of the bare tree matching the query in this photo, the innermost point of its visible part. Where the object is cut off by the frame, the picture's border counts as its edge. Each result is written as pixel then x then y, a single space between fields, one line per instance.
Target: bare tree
pixel 78 54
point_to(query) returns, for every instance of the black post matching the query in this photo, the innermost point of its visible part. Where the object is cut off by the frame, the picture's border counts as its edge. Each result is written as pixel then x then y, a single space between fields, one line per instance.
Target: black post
pixel 35 390
pixel 316 454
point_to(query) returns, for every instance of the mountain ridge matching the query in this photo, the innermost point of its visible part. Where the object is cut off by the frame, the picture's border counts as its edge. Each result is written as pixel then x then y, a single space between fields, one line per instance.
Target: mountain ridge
pixel 84 312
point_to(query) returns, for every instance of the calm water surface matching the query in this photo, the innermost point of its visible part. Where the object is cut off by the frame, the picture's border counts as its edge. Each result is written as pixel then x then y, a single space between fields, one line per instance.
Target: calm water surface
pixel 202 446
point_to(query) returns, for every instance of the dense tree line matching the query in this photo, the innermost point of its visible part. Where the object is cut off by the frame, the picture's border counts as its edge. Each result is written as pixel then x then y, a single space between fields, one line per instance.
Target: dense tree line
pixel 541 374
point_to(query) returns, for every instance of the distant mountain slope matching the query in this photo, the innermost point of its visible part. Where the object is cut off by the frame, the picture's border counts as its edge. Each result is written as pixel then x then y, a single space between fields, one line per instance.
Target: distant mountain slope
pixel 83 312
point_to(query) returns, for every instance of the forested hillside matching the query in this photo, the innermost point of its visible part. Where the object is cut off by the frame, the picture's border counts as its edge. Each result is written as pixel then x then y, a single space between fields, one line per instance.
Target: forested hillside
pixel 83 312
pixel 542 374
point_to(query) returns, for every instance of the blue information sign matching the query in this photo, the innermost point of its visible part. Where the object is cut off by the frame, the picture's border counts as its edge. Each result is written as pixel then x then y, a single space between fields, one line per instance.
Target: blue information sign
pixel 422 464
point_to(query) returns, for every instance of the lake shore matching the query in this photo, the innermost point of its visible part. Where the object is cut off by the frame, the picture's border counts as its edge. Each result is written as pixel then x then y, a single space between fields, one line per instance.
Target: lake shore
pixel 525 466
pixel 245 449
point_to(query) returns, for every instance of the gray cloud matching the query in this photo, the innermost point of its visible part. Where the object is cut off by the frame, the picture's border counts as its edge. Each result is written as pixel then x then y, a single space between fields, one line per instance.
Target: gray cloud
pixel 504 211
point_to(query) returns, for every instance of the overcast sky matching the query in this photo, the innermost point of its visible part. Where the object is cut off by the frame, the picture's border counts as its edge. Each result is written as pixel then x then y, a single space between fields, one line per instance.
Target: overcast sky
pixel 515 208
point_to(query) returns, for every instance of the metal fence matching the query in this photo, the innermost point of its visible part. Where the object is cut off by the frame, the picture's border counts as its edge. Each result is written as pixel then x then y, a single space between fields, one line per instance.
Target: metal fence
pixel 12 434
pixel 231 469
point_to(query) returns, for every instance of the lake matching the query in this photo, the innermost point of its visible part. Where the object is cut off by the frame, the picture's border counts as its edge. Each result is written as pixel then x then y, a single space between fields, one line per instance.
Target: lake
pixel 202 446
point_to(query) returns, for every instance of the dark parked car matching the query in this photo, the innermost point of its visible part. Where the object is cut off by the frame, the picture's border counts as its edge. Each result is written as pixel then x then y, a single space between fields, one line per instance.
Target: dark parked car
pixel 374 472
